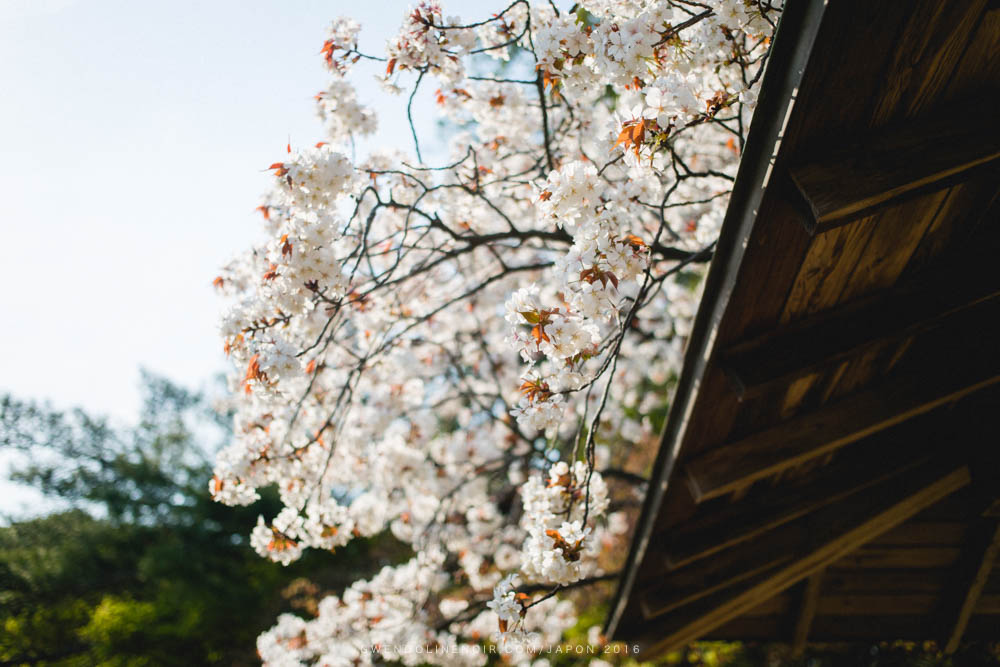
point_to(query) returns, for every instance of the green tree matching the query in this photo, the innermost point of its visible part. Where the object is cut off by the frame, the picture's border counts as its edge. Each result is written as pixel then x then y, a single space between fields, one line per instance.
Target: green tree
pixel 142 567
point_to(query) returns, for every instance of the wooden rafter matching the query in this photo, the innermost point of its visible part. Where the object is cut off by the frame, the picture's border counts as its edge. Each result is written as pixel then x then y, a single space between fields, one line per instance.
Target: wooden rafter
pixel 976 570
pixel 697 580
pixel 935 300
pixel 871 462
pixel 807 611
pixel 816 433
pixel 899 161
pixel 869 517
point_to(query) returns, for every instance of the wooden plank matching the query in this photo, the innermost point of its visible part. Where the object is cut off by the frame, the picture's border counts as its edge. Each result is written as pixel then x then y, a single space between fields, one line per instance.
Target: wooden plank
pixel 988 604
pixel 863 369
pixel 807 610
pixel 696 580
pixel 754 308
pixel 864 34
pixel 685 588
pixel 779 604
pixel 750 628
pixel 980 64
pixel 875 628
pixel 958 507
pixel 881 605
pixel 828 264
pixel 842 534
pixel 898 232
pixel 927 301
pixel 932 43
pixel 956 222
pixel 873 65
pixel 848 582
pixel 756 412
pixel 976 570
pixel 890 402
pixel 894 604
pixel 924 533
pixel 796 393
pixel 716 528
pixel 900 557
pixel 880 170
pixel 863 627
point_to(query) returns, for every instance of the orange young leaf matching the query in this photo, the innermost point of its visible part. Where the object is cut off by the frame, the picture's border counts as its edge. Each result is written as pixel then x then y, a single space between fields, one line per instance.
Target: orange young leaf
pixel 624 138
pixel 253 368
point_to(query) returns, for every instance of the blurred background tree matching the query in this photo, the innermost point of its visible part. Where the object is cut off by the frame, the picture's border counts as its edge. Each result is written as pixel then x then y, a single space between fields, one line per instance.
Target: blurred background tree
pixel 139 566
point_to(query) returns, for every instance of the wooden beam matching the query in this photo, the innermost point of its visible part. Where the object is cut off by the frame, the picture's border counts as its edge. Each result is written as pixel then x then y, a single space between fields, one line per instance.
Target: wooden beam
pixel 807 610
pixel 937 299
pixel 919 156
pixel 892 401
pixel 977 568
pixel 685 588
pixel 695 581
pixel 830 538
pixel 713 529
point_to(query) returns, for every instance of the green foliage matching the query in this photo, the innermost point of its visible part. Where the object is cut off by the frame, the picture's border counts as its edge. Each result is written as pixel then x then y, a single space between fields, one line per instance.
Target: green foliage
pixel 142 568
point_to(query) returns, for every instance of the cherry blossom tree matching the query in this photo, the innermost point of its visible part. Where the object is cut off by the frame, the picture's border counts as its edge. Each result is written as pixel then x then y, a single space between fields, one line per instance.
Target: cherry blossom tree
pixel 473 355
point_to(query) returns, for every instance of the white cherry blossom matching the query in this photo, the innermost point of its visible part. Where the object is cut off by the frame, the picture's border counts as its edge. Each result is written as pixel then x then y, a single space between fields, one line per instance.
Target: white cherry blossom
pixel 462 354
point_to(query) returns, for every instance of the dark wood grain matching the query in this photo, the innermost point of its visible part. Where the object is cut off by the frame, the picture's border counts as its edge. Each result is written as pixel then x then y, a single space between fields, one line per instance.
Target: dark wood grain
pixel 970 581
pixel 827 339
pixel 716 528
pixel 878 170
pixel 873 514
pixel 807 611
pixel 930 380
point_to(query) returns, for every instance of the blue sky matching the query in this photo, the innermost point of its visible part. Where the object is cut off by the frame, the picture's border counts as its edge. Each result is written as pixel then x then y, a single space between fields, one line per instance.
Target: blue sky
pixel 134 139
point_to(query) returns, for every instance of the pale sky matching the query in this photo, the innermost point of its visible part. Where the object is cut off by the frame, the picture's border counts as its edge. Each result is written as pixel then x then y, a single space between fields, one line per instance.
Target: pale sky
pixel 134 138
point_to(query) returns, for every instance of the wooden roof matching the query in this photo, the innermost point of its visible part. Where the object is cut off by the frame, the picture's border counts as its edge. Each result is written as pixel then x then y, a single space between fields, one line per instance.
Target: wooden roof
pixel 829 469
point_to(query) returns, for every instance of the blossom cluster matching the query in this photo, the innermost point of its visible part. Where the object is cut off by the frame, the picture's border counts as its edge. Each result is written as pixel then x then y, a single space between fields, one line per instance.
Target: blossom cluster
pixel 610 43
pixel 461 354
pixel 425 43
pixel 598 275
pixel 559 548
